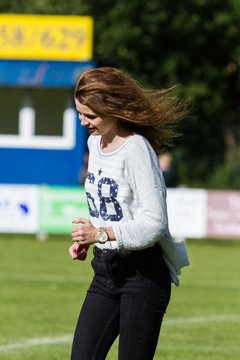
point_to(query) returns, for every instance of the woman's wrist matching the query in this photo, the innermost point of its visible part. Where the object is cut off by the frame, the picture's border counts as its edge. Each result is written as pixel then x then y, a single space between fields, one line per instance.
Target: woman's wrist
pixel 104 234
pixel 111 235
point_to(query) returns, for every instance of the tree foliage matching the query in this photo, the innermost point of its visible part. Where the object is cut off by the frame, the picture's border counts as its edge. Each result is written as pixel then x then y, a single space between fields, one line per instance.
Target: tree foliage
pixel 194 43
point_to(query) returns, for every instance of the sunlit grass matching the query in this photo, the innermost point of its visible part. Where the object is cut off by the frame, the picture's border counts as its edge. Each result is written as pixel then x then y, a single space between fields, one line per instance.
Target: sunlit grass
pixel 42 290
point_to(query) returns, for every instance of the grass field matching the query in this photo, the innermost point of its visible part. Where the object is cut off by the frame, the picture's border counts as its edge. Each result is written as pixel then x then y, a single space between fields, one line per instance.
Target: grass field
pixel 42 290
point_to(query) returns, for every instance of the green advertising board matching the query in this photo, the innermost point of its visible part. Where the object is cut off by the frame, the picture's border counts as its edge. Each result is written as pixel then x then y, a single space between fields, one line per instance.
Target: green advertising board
pixel 59 206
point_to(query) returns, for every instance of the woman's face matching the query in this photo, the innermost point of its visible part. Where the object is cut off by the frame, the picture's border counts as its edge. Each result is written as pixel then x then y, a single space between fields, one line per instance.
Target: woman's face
pixel 94 124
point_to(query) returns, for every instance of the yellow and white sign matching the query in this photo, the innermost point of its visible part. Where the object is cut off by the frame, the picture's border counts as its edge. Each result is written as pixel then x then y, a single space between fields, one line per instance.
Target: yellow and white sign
pixel 46 37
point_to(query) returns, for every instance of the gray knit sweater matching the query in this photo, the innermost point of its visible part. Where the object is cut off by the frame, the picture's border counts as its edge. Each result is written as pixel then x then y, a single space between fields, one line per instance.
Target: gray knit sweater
pixel 126 190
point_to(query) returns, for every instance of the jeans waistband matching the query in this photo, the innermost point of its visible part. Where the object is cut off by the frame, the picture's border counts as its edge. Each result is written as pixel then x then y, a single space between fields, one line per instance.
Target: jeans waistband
pixel 127 253
pixel 110 252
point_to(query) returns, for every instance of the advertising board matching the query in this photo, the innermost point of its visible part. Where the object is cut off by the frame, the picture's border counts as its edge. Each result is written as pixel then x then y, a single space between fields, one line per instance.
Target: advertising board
pixel 59 206
pixel 223 214
pixel 46 209
pixel 187 212
pixel 19 209
pixel 46 37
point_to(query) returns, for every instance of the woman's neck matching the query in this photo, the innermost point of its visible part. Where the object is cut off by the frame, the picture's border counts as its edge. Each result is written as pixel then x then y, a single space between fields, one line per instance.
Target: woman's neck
pixel 111 142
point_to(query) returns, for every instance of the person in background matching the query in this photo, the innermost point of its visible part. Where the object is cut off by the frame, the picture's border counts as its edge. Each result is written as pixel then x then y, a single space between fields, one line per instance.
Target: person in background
pixel 135 258
pixel 167 168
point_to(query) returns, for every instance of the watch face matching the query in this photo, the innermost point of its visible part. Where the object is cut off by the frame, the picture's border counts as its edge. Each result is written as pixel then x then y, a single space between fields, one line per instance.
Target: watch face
pixel 102 236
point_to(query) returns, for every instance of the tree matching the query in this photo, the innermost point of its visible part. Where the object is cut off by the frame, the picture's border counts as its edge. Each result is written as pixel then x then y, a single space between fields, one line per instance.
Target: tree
pixel 194 43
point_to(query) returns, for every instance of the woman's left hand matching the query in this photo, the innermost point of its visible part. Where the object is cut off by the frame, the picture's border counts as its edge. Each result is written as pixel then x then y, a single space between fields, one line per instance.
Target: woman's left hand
pixel 78 252
pixel 84 234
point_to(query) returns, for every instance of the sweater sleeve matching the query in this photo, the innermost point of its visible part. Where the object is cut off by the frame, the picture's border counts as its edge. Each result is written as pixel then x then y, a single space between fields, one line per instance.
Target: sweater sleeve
pixel 151 222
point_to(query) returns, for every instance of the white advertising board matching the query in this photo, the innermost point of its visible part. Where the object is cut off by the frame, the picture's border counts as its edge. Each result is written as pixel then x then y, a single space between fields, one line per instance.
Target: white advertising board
pixel 187 212
pixel 18 209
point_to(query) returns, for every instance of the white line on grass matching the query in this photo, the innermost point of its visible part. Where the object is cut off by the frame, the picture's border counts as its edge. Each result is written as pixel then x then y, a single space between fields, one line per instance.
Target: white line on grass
pixel 68 338
pixel 36 342
pixel 203 319
pixel 42 278
pixel 217 349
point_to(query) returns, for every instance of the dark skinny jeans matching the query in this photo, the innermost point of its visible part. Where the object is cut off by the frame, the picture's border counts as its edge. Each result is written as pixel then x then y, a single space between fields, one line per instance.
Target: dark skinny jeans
pixel 128 297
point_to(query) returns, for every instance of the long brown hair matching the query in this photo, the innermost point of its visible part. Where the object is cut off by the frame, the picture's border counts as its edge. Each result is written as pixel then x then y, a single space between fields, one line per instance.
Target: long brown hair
pixel 109 92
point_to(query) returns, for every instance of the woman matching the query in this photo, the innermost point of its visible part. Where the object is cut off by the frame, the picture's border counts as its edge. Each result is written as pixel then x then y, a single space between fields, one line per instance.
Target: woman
pixel 135 258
